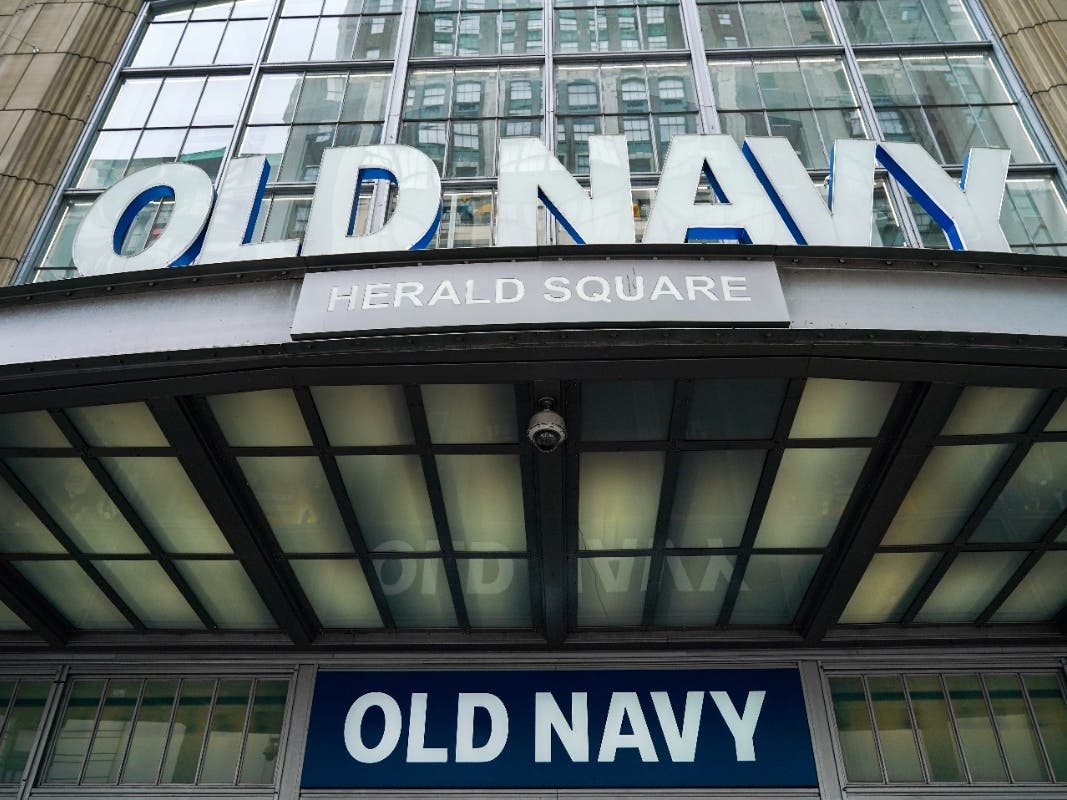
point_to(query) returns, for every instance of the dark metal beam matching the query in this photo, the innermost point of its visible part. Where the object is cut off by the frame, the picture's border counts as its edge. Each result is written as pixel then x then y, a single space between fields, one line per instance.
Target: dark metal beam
pixel 784 424
pixel 199 444
pixel 546 470
pixel 917 415
pixel 344 504
pixel 31 607
pixel 683 396
pixel 133 519
pixel 524 405
pixel 570 477
pixel 421 428
pixel 1007 470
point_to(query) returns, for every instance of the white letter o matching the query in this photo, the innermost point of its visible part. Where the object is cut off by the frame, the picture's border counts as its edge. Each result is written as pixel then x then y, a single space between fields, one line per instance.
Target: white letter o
pixel 354 728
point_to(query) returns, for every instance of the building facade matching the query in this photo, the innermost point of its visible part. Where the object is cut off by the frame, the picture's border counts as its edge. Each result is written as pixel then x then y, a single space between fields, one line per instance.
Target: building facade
pixel 248 550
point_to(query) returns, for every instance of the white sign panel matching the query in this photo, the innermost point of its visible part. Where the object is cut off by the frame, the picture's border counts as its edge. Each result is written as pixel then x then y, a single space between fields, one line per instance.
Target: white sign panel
pixel 621 292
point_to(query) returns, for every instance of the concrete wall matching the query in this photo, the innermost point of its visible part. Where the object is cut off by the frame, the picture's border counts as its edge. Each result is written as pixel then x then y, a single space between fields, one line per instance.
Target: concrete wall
pixel 54 58
pixel 1035 34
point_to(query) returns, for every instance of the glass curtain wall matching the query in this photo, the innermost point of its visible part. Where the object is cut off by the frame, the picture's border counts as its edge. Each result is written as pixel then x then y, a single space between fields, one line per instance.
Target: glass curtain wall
pixel 287 79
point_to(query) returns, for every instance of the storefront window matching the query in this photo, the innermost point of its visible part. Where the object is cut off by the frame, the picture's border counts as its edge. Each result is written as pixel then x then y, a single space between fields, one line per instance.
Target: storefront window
pixel 21 707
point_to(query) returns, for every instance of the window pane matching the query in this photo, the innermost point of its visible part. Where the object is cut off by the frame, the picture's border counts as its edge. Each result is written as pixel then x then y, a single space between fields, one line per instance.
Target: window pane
pixel 72 740
pixel 989 409
pixel 20 729
pixel 1032 500
pixel 66 586
pixel 264 732
pixel 22 531
pixel 855 733
pixel 150 732
pixel 475 413
pixel 618 498
pixel 268 418
pixel 112 732
pixel 1042 593
pixel 150 593
pixel 836 408
pixel 626 410
pixel 187 732
pixel 227 593
pixel 1050 708
pixel 975 728
pixel 1016 728
pixel 735 408
pixel 895 733
pixel 224 736
pixel 347 412
pixel 935 729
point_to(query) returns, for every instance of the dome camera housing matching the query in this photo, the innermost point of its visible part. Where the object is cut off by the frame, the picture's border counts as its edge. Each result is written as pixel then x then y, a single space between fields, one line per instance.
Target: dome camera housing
pixel 546 431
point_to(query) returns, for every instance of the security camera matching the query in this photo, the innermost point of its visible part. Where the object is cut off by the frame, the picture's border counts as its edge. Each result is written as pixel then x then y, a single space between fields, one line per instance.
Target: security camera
pixel 547 430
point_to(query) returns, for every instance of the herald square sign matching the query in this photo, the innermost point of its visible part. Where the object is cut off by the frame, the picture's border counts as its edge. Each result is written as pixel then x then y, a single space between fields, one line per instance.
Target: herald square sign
pixel 559 729
pixel 762 195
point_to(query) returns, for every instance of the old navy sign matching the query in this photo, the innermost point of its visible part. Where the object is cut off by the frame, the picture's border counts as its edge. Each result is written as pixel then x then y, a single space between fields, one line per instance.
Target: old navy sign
pixel 762 192
pixel 558 729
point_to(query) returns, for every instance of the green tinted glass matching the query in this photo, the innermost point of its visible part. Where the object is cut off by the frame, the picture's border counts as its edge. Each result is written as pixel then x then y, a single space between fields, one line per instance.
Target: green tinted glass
pixel 112 732
pixel 224 737
pixel 187 733
pixel 23 719
pixel 72 742
pixel 855 731
pixel 150 732
pixel 895 732
pixel 264 732
pixel 1016 728
pixel 935 728
pixel 1046 697
pixel 975 727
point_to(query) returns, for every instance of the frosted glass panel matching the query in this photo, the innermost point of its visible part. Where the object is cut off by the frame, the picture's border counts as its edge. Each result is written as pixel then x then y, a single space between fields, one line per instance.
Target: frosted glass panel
pixel 735 408
pixel 20 530
pixel 66 586
pixel 888 587
pixel 390 500
pixel 713 497
pixel 626 410
pixel 269 418
pixel 772 588
pixel 30 429
pixel 338 592
pixel 835 408
pixel 364 415
pixel 496 592
pixel 417 592
pixel 1042 593
pixel 692 589
pixel 470 413
pixel 122 425
pixel 970 584
pixel 10 621
pixel 1031 501
pixel 987 409
pixel 227 593
pixel 297 502
pixel 618 498
pixel 945 492
pixel 483 500
pixel 809 494
pixel 611 591
pixel 152 596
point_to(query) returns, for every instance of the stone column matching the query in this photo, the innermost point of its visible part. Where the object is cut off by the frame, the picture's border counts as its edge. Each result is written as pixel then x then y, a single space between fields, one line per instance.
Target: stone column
pixel 55 56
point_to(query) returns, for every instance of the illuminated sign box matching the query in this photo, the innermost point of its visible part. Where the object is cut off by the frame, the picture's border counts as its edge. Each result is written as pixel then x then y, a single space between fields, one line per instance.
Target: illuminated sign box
pixel 559 729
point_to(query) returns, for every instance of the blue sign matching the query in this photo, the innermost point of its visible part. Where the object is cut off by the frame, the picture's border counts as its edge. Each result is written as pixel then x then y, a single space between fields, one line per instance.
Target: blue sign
pixel 554 729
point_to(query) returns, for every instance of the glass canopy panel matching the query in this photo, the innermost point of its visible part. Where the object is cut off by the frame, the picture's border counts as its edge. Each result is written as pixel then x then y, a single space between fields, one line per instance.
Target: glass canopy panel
pixel 70 493
pixel 611 591
pixel 20 530
pixel 622 411
pixel 972 581
pixel 390 500
pixel 618 498
pixel 227 593
pixel 338 592
pixel 945 492
pixel 1058 421
pixel 470 413
pixel 888 587
pixel 1031 501
pixel 165 500
pixel 483 500
pixel 692 589
pixel 150 593
pixel 496 592
pixel 364 416
pixel 809 494
pixel 122 425
pixel 1042 593
pixel 840 409
pixel 713 497
pixel 269 418
pixel 988 409
pixel 296 500
pixel 735 408
pixel 30 429
pixel 10 621
pixel 67 587
pixel 417 592
pixel 772 588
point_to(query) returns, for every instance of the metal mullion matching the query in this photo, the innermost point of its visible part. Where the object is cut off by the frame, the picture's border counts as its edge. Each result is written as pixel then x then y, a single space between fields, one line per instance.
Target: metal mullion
pixel 170 730
pixel 39 615
pixel 622 57
pixel 131 516
pixel 6 716
pixel 869 114
pixel 995 725
pixel 46 519
pixel 1049 771
pixel 923 765
pixel 874 728
pixel 204 70
pixel 93 731
pixel 133 726
pixel 776 53
pixel 992 493
pixel 253 688
pixel 683 396
pixel 572 408
pixel 768 475
pixel 421 428
pixel 212 709
pixel 394 102
pixel 343 502
pixel 363 68
pixel 956 739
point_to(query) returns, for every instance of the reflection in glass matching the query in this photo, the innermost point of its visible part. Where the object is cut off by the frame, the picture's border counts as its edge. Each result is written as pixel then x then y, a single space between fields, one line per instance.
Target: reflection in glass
pixel 496 592
pixel 841 409
pixel 972 581
pixel 935 728
pixel 417 592
pixel 618 499
pixel 896 735
pixel 264 733
pixel 224 735
pixel 692 589
pixel 71 743
pixel 611 591
pixel 855 732
pixel 112 732
pixel 389 496
pixel 19 727
pixel 888 587
pixel 979 742
pixel 1050 708
pixel 772 588
pixel 945 492
pixel 187 732
pixel 338 592
pixel 483 501
pixel 809 495
pixel 713 497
